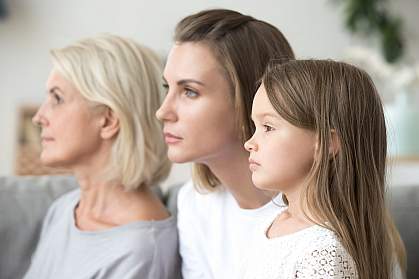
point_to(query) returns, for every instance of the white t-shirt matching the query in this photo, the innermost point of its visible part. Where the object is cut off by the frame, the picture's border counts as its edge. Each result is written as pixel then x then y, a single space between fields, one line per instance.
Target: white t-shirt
pixel 215 233
pixel 313 252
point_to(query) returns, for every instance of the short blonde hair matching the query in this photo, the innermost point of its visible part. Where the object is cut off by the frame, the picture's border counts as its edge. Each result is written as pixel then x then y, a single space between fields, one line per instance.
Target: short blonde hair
pixel 125 77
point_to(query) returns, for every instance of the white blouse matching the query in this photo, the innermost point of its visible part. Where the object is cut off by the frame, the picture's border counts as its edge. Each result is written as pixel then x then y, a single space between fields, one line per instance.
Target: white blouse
pixel 314 252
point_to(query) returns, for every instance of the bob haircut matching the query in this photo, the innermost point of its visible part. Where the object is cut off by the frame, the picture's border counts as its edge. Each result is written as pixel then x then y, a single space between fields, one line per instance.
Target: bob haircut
pixel 125 77
pixel 243 46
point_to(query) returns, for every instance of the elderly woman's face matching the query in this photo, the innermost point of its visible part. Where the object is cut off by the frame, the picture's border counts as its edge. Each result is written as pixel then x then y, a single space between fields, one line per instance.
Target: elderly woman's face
pixel 70 129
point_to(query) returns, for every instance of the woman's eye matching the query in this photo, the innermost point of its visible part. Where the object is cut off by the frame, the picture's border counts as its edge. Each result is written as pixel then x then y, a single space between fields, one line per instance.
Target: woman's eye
pixel 190 93
pixel 166 87
pixel 57 98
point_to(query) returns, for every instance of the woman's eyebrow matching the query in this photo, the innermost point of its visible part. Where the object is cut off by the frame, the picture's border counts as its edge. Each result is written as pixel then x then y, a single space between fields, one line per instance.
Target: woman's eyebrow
pixel 54 89
pixel 189 80
pixel 185 81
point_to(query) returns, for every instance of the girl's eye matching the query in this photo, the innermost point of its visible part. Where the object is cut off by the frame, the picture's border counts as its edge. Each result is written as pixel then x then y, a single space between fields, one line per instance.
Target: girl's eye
pixel 267 128
pixel 190 93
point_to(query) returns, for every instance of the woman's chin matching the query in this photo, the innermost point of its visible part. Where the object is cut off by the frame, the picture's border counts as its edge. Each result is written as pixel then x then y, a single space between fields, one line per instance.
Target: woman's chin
pixel 50 161
pixel 178 157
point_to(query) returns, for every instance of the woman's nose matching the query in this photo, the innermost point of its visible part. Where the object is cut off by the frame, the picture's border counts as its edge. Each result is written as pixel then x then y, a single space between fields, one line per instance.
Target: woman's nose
pixel 166 111
pixel 39 118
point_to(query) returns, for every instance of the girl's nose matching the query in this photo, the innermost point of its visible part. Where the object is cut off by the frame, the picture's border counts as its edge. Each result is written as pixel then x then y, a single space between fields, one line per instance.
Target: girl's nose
pixel 250 145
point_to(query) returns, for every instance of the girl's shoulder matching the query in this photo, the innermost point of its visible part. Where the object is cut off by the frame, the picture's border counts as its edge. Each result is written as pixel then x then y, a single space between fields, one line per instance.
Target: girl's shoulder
pixel 325 255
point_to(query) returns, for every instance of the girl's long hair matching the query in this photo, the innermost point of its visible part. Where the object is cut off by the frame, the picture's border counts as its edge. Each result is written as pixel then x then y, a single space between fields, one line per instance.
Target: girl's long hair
pixel 346 191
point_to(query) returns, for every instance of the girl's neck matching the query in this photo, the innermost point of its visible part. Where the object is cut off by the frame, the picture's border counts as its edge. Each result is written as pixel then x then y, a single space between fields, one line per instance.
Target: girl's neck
pixel 294 203
pixel 233 171
pixel 291 220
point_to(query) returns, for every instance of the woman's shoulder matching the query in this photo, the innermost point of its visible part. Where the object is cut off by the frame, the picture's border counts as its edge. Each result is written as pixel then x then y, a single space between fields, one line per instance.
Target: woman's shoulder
pixel 190 194
pixel 60 211
pixel 64 202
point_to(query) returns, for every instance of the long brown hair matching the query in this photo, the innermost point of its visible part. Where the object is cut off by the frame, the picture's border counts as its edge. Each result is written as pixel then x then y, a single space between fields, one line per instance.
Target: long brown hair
pixel 243 47
pixel 347 189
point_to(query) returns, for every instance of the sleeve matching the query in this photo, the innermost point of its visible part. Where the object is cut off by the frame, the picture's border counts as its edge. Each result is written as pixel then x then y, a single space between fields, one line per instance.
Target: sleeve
pixel 192 258
pixel 329 261
pixel 397 272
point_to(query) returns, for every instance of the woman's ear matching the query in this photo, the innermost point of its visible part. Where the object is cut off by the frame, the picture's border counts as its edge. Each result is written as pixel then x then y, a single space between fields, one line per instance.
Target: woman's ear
pixel 334 146
pixel 109 124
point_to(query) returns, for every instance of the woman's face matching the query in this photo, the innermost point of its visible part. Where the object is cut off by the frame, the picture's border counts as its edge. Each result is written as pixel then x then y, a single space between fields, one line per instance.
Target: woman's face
pixel 281 154
pixel 70 129
pixel 198 112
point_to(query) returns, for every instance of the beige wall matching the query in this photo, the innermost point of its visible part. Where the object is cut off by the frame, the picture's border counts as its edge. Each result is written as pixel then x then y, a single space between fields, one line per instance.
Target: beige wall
pixel 314 28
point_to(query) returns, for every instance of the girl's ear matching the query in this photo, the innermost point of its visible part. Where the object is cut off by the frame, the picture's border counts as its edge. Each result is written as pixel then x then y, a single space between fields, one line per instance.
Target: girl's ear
pixel 109 124
pixel 335 146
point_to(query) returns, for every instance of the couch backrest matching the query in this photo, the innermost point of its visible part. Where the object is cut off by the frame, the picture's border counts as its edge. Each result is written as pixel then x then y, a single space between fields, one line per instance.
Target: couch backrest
pixel 24 202
pixel 404 206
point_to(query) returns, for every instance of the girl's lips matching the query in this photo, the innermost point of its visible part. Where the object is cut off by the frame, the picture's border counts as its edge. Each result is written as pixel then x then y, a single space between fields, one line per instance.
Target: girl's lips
pixel 253 165
pixel 171 139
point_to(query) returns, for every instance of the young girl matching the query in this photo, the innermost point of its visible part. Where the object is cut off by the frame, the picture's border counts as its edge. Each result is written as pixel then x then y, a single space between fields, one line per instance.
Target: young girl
pixel 321 140
pixel 211 77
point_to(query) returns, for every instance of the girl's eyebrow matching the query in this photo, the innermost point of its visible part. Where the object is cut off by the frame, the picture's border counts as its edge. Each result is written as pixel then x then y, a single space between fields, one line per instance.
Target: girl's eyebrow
pixel 262 115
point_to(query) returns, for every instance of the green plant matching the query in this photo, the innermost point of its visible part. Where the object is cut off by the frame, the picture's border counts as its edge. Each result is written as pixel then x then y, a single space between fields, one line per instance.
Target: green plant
pixel 371 17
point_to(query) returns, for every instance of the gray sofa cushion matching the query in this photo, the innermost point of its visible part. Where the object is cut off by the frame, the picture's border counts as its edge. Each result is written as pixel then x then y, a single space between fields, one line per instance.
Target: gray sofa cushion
pixel 404 206
pixel 23 204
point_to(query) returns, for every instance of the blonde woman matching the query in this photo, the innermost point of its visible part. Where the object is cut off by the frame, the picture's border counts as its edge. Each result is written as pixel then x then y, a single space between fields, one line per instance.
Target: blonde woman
pixel 98 122
pixel 321 140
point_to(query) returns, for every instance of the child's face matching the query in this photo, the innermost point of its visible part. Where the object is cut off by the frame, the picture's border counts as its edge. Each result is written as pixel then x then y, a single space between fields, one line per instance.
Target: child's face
pixel 281 155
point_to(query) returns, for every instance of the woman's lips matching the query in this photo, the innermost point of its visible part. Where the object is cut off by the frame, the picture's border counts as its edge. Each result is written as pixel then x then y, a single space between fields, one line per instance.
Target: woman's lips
pixel 46 139
pixel 171 139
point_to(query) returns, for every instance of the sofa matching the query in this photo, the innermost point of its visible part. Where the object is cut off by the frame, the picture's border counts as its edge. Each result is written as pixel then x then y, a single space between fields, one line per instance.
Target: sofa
pixel 25 200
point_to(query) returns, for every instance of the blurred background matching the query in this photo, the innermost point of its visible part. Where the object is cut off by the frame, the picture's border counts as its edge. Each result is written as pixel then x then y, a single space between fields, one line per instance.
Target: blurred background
pixel 383 39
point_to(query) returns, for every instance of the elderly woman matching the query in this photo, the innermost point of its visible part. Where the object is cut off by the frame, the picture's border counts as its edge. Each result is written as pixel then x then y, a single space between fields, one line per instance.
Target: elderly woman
pixel 98 122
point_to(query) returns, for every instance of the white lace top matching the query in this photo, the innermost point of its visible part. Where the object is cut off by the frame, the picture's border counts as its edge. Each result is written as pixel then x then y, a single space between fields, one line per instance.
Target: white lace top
pixel 314 252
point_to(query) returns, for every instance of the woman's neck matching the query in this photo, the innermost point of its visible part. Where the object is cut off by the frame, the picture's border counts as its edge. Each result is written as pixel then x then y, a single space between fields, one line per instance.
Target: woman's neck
pixel 232 170
pixel 107 204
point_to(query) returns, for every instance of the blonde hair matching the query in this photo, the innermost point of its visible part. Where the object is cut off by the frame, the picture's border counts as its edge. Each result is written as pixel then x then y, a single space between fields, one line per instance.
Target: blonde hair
pixel 346 189
pixel 125 77
pixel 243 46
